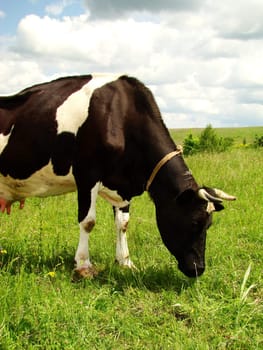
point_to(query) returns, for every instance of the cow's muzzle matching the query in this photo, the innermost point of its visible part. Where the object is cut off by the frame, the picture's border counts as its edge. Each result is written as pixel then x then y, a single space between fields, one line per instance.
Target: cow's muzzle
pixel 192 270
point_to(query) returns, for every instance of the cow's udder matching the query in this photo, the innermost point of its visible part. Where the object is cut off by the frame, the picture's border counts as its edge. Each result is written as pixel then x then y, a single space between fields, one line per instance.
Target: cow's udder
pixel 6 205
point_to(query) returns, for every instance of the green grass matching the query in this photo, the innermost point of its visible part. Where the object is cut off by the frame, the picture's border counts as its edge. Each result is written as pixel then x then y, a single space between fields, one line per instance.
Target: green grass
pixel 156 307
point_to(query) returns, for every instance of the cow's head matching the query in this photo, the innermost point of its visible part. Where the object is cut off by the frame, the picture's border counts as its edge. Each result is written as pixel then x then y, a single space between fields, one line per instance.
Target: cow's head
pixel 183 222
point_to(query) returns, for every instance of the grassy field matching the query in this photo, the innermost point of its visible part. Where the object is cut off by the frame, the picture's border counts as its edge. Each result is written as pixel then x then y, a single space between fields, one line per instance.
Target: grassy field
pixel 156 307
pixel 239 135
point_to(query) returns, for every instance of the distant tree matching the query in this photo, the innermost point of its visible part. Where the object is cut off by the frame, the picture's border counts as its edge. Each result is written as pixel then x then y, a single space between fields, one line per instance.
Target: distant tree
pixel 208 141
pixel 258 142
pixel 190 145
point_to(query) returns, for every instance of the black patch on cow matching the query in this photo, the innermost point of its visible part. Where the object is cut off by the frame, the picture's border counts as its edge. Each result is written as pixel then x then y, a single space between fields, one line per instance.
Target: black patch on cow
pixel 28 149
pixel 10 102
pixel 30 116
pixel 143 98
pixel 63 153
pixel 7 106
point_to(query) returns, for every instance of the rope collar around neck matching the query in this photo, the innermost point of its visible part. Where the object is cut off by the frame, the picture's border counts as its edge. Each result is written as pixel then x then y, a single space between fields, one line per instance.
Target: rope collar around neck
pixel 161 163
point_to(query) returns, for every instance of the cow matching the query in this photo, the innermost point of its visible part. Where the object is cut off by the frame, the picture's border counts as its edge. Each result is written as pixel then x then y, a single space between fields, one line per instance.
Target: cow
pixel 103 134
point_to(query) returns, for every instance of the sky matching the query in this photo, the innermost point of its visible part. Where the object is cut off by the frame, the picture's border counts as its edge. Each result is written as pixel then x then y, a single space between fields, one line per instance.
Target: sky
pixel 202 59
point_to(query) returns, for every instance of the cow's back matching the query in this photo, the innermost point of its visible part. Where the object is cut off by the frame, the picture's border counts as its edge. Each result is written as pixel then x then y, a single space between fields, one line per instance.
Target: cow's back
pixel 38 129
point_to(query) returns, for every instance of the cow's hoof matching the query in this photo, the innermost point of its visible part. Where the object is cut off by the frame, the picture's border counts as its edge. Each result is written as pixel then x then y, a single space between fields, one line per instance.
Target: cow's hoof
pixel 126 263
pixel 84 272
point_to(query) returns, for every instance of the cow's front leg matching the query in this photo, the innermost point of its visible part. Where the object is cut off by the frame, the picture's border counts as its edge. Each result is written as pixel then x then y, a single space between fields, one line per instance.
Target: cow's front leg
pixel 122 251
pixel 84 267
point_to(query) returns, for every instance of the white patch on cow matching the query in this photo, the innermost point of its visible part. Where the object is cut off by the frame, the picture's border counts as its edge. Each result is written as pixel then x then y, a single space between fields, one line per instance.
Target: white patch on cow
pixel 74 110
pixel 121 220
pixel 4 140
pixel 82 258
pixel 112 196
pixel 122 250
pixel 45 183
pixel 210 207
pixel 42 183
pixel 82 254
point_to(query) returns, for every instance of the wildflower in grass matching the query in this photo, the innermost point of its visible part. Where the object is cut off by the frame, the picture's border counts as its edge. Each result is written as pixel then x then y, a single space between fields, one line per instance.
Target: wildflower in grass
pixel 51 274
pixel 3 251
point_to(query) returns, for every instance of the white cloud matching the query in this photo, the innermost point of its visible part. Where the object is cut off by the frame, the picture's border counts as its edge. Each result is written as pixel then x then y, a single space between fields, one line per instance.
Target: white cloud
pixel 54 9
pixel 192 54
pixel 18 74
pixel 79 40
pixel 118 8
pixel 2 14
pixel 57 8
pixel 240 20
pixel 248 72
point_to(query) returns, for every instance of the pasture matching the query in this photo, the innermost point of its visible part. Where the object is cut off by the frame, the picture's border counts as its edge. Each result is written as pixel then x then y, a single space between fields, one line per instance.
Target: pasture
pixel 156 307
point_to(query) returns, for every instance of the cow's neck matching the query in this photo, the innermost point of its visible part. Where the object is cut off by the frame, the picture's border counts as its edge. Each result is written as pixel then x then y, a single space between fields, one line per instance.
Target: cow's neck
pixel 173 178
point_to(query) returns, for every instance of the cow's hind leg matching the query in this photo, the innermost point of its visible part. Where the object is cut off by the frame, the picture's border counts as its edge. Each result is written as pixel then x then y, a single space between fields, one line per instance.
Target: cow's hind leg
pixel 122 251
pixel 84 267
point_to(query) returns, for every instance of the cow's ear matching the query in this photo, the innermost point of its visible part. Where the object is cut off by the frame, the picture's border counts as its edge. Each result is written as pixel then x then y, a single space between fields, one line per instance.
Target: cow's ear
pixel 218 206
pixel 186 197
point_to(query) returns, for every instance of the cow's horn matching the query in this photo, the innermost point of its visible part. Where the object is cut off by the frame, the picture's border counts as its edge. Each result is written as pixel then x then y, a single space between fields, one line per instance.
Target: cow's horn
pixel 202 193
pixel 221 194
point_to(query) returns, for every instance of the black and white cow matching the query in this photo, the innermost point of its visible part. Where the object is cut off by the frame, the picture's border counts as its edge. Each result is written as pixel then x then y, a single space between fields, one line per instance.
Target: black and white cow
pixel 103 134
